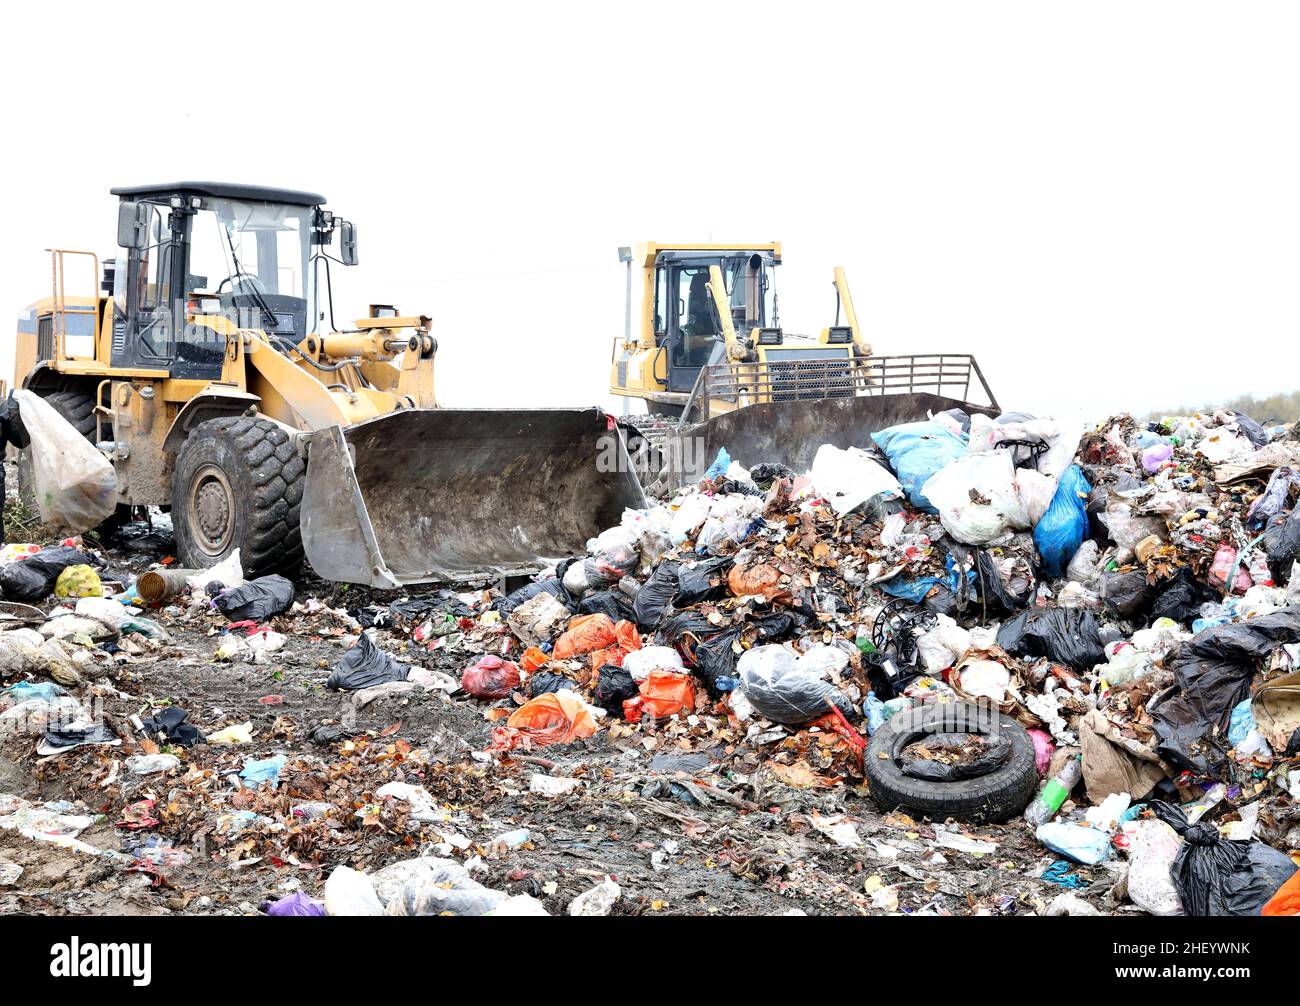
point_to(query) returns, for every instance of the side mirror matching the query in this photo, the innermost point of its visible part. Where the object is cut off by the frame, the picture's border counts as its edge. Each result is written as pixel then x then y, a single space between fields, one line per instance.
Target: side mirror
pixel 133 225
pixel 347 242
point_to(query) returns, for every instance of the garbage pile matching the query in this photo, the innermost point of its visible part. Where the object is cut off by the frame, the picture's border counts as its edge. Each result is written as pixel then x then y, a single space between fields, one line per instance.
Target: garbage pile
pixel 1074 647
pixel 985 619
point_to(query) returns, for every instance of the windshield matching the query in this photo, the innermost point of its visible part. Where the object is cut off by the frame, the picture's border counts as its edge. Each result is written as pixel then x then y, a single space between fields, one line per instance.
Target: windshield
pixel 236 247
pixel 253 257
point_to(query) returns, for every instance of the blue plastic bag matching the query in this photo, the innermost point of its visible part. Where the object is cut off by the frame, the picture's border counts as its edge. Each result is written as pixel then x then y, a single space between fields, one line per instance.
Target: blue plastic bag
pixel 916 451
pixel 1061 530
pixel 914 590
pixel 266 770
pixel 1089 846
pixel 1242 721
pixel 720 464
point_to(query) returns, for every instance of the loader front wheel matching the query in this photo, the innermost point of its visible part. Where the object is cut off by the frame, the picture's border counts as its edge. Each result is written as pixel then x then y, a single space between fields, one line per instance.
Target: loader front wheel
pixel 238 485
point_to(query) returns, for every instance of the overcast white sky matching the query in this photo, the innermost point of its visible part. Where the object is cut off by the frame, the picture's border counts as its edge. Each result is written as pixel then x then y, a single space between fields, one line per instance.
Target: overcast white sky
pixel 1101 201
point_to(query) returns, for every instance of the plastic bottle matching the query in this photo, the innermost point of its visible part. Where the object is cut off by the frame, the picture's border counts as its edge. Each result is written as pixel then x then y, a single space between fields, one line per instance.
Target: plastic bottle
pixel 1049 799
pixel 874 710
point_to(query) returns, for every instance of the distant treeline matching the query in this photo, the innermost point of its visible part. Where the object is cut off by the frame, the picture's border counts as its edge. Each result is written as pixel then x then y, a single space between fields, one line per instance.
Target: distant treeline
pixel 1283 407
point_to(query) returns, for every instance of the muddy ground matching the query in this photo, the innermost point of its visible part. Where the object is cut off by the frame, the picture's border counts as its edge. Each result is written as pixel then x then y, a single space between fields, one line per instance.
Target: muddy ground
pixel 688 818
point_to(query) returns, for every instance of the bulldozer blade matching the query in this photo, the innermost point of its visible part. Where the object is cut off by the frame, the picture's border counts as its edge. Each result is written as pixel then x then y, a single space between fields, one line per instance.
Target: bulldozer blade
pixel 426 495
pixel 791 432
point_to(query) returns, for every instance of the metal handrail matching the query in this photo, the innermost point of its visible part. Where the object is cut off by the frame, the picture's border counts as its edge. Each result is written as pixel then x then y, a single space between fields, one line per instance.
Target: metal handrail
pixel 60 309
pixel 743 384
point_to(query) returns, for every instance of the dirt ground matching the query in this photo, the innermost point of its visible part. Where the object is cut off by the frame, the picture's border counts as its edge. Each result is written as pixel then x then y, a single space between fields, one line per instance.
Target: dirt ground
pixel 688 818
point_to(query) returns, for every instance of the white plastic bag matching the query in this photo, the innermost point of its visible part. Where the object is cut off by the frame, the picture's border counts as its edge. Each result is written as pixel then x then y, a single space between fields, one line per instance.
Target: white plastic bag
pixel 228 572
pixel 848 478
pixel 1036 492
pixel 1086 564
pixel 824 661
pixel 692 512
pixel 1153 846
pixel 349 892
pixel 75 485
pixel 1061 440
pixel 942 646
pixel 985 679
pixel 639 663
pixel 977 499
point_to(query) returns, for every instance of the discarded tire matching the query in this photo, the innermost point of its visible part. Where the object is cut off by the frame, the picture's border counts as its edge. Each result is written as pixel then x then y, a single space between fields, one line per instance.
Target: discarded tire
pixel 238 484
pixel 1000 794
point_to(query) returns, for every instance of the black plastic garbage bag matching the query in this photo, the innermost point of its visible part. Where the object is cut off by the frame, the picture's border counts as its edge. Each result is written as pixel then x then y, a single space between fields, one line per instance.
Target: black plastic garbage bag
pixel 995 753
pixel 715 661
pixel 542 682
pixel 1282 543
pixel 656 596
pixel 1252 431
pixel 614 603
pixel 414 609
pixel 171 724
pixel 1067 635
pixel 364 666
pixel 257 600
pixel 1181 597
pixel 614 687
pixel 1213 672
pixel 684 630
pixel 779 624
pixel 553 586
pixel 765 474
pixel 1218 876
pixel 32 580
pixel 1127 595
pixel 705 581
pixel 994 593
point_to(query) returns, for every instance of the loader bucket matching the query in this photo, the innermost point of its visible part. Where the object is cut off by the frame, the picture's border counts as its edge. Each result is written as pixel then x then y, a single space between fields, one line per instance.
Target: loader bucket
pixel 791 432
pixel 426 495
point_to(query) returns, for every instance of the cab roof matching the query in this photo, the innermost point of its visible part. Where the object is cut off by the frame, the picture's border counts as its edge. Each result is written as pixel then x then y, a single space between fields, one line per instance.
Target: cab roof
pixel 222 190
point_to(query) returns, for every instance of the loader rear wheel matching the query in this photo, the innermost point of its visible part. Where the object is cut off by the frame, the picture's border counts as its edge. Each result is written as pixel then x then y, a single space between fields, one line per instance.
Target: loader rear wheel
pixel 238 484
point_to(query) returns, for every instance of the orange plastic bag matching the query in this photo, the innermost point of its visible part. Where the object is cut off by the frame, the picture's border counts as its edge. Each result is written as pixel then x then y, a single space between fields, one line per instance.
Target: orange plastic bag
pixel 762 579
pixel 663 694
pixel 553 718
pixel 1286 901
pixel 585 633
pixel 627 638
pixel 532 659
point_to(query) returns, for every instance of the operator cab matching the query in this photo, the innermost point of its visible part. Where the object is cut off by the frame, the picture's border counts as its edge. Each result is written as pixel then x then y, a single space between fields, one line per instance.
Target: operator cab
pixel 198 252
pixel 686 318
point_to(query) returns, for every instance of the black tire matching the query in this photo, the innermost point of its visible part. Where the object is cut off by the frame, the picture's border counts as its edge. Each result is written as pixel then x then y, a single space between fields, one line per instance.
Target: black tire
pixel 998 796
pixel 78 408
pixel 238 484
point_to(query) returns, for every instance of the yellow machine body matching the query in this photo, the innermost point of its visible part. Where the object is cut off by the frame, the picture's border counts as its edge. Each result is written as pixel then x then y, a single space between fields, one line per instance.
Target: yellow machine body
pixel 394 490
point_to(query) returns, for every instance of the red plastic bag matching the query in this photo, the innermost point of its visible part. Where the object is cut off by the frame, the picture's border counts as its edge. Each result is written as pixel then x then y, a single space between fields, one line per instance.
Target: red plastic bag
pixel 663 694
pixel 553 718
pixel 490 678
pixel 627 638
pixel 585 633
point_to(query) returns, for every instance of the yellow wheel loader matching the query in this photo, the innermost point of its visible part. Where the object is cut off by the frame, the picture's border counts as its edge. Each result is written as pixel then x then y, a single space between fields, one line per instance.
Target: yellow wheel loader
pixel 713 363
pixel 206 364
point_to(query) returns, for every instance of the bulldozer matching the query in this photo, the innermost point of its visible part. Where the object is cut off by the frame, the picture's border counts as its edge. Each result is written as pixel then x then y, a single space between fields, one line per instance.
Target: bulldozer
pixel 205 363
pixel 714 367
